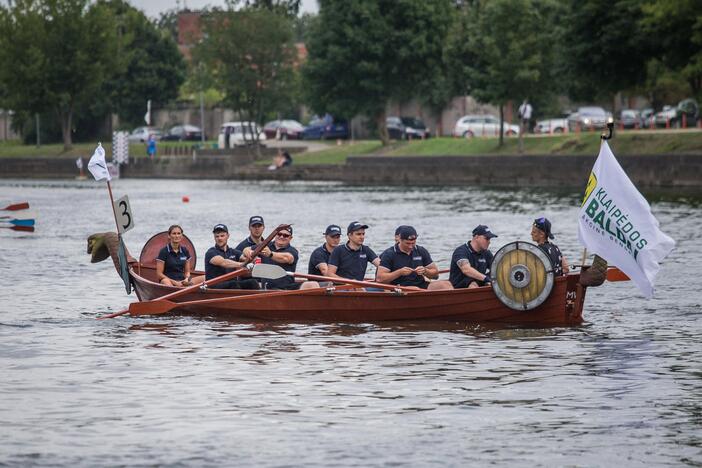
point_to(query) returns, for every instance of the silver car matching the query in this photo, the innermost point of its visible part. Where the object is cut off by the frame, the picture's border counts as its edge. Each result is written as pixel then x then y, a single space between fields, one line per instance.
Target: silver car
pixel 588 118
pixel 470 126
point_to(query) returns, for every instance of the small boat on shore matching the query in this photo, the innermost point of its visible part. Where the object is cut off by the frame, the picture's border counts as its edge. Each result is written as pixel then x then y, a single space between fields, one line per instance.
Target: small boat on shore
pixel 561 305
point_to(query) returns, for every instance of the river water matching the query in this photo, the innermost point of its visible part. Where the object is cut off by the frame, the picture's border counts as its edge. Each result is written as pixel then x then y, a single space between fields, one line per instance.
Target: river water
pixel 624 389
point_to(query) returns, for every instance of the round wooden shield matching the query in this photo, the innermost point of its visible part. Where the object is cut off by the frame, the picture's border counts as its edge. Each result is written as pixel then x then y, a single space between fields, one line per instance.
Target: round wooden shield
pixel 159 241
pixel 522 275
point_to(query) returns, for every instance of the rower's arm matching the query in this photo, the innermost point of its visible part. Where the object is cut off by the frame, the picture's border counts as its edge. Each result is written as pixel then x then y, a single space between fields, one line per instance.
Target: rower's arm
pixel 323 268
pixel 220 261
pixel 282 257
pixel 564 265
pixel 432 271
pixel 331 271
pixel 160 265
pixel 384 275
pixel 469 271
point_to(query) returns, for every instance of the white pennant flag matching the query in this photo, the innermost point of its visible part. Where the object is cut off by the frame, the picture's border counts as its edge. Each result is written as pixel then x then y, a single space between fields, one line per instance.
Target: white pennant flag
pixel 616 223
pixel 79 163
pixel 147 116
pixel 97 165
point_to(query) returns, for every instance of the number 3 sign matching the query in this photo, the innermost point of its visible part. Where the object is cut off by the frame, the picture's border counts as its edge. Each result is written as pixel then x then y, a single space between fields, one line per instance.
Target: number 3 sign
pixel 123 212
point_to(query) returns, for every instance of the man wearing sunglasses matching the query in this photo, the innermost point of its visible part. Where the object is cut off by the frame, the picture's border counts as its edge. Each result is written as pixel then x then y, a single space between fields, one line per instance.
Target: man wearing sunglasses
pixel 409 264
pixel 320 256
pixel 281 253
pixel 541 233
pixel 471 262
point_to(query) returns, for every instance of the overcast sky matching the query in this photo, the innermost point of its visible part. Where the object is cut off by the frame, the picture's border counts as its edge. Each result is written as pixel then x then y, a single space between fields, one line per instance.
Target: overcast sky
pixel 153 8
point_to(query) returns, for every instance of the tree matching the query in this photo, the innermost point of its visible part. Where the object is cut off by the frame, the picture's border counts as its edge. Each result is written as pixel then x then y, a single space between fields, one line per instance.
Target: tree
pixel 677 27
pixel 363 54
pixel 502 53
pixel 151 67
pixel 607 49
pixel 56 56
pixel 251 57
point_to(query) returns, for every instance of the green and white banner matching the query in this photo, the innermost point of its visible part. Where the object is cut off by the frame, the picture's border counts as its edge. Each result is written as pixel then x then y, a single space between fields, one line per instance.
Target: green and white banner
pixel 616 223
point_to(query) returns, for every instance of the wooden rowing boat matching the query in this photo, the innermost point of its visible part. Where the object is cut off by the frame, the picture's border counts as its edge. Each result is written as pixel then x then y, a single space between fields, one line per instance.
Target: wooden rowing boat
pixel 562 307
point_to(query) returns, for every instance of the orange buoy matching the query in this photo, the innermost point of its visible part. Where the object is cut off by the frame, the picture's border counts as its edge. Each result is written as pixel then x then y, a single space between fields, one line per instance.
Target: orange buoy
pixel 186 199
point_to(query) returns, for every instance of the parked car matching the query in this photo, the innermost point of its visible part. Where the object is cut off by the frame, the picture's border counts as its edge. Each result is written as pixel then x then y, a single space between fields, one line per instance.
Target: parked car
pixel 233 134
pixel 630 118
pixel 182 133
pixel 141 134
pixel 666 117
pixel 406 128
pixel 588 117
pixel 327 127
pixel 690 109
pixel 283 129
pixel 548 126
pixel 469 126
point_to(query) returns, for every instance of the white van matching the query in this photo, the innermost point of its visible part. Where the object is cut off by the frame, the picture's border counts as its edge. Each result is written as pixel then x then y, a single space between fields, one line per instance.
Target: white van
pixel 233 134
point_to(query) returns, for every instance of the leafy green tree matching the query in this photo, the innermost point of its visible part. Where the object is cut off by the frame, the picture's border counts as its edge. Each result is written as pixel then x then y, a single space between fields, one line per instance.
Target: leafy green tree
pixel 251 58
pixel 283 7
pixel 676 26
pixel 56 54
pixel 502 51
pixel 363 54
pixel 151 67
pixel 607 50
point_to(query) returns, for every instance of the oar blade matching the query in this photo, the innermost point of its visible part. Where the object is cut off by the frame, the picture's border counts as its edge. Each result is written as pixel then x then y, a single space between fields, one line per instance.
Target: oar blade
pixel 19 228
pixel 155 307
pixel 615 274
pixel 21 222
pixel 16 206
pixel 268 271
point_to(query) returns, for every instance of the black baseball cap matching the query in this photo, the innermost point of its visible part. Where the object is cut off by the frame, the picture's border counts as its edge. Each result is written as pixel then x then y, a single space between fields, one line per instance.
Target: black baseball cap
pixel 256 220
pixel 287 228
pixel 544 225
pixel 220 227
pixel 355 226
pixel 332 230
pixel 483 230
pixel 399 229
pixel 406 232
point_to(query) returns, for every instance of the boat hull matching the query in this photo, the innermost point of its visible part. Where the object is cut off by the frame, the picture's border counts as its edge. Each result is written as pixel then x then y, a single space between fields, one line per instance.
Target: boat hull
pixel 480 305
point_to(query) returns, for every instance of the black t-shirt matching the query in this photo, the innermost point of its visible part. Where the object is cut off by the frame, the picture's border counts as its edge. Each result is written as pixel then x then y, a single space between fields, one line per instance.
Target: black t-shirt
pixel 554 253
pixel 480 261
pixel 246 243
pixel 394 259
pixel 351 263
pixel 213 271
pixel 319 255
pixel 174 261
pixel 287 281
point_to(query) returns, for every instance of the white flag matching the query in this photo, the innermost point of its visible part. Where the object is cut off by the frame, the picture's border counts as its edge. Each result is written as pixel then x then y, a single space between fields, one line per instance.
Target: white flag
pixel 147 116
pixel 616 223
pixel 97 165
pixel 79 163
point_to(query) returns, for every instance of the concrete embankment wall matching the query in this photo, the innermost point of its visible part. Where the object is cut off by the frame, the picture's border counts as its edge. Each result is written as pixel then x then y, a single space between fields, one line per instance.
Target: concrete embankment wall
pixel 664 171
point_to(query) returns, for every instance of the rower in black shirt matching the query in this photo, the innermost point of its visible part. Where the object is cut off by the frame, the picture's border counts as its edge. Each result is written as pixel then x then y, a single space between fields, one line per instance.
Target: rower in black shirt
pixel 351 259
pixel 541 233
pixel 409 264
pixel 320 256
pixel 222 259
pixel 284 255
pixel 471 262
pixel 248 245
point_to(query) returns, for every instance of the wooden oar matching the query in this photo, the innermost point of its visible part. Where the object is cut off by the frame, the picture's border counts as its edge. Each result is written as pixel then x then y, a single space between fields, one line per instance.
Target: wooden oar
pixel 273 272
pixel 16 206
pixel 19 228
pixel 154 306
pixel 167 306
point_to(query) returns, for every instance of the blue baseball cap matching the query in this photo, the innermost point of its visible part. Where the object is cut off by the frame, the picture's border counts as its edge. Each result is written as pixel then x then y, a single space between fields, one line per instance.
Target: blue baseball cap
pixel 544 225
pixel 332 230
pixel 256 220
pixel 356 226
pixel 483 230
pixel 406 232
pixel 220 228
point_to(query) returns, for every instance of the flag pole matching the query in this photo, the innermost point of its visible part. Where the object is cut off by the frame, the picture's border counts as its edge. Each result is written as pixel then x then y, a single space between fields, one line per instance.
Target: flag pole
pixel 604 136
